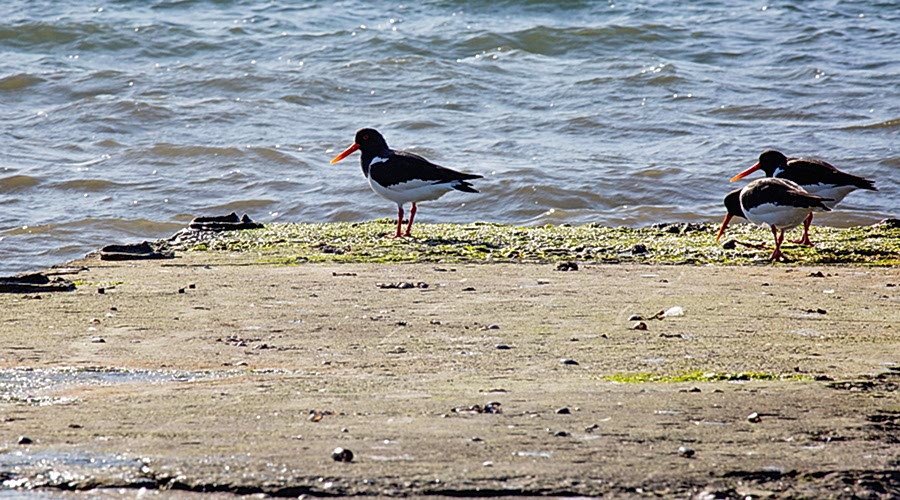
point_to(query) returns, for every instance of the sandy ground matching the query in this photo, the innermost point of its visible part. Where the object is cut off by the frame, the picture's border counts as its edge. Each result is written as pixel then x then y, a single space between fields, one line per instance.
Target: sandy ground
pixel 199 374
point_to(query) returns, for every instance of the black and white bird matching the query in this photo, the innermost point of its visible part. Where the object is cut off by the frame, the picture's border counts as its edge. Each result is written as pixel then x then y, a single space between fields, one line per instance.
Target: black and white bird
pixel 815 176
pixel 777 203
pixel 403 177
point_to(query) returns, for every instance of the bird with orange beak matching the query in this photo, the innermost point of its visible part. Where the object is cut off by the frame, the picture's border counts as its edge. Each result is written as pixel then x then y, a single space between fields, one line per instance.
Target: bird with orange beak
pixel 403 177
pixel 778 204
pixel 814 176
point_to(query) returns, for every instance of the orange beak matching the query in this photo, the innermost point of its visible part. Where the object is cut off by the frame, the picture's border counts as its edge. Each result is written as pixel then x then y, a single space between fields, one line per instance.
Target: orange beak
pixel 345 154
pixel 745 173
pixel 724 225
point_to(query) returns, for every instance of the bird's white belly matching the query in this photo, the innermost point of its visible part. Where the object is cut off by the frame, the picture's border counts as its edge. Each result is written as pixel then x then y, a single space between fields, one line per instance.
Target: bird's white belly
pixel 781 216
pixel 830 191
pixel 410 191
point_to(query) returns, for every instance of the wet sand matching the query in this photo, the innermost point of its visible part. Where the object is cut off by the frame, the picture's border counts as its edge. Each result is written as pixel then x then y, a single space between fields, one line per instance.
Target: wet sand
pixel 215 360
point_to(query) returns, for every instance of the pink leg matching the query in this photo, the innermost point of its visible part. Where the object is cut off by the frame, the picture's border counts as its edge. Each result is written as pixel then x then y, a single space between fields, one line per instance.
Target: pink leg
pixel 779 238
pixel 805 239
pixel 399 220
pixel 412 215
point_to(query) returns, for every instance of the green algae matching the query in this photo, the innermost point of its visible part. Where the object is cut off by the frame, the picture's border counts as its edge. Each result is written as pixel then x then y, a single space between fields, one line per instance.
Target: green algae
pixel 99 284
pixel 700 376
pixel 370 242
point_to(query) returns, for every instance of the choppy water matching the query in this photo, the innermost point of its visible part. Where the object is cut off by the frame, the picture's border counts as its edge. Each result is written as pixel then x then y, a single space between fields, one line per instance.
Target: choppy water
pixel 122 119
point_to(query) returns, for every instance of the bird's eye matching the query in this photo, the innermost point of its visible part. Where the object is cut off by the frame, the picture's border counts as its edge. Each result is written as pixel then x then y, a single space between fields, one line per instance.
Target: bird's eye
pixel 365 137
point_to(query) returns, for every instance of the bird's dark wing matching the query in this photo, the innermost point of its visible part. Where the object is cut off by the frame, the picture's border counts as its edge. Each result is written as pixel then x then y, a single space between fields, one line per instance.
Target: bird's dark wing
pixel 402 167
pixel 809 172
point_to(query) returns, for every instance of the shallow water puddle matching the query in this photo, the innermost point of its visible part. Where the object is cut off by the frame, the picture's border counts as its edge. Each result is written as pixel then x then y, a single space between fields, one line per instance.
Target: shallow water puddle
pixel 38 386
pixel 41 468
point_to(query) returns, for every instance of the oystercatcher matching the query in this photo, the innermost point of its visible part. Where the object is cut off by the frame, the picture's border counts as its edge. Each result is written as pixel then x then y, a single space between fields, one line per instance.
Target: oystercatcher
pixel 815 176
pixel 403 177
pixel 777 203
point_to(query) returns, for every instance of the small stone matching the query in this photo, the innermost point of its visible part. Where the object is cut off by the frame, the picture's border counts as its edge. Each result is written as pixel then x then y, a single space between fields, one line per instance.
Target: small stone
pixel 491 327
pixel 561 434
pixel 101 291
pixel 192 286
pixel 468 289
pixel 98 340
pixel 567 266
pixel 492 407
pixel 684 451
pixel 635 317
pixel 638 249
pixel 487 463
pixel 181 290
pixel 754 418
pixel 342 455
pixel 345 430
pixel 591 428
pixel 729 244
pixel 563 411
pixel 568 361
pixel 435 322
pixel 817 274
pixel 24 440
pixel 640 325
pixel 503 347
pixel 477 440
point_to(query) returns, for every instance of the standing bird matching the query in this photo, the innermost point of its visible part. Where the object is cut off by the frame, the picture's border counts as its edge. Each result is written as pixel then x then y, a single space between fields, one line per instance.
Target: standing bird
pixel 403 177
pixel 777 203
pixel 815 176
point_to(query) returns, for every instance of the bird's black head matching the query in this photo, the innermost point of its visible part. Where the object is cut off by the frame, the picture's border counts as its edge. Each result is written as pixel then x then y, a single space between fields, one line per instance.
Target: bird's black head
pixel 770 161
pixel 733 204
pixel 369 139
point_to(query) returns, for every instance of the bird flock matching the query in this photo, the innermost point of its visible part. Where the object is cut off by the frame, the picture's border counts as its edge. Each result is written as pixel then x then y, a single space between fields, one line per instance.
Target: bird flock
pixel 793 189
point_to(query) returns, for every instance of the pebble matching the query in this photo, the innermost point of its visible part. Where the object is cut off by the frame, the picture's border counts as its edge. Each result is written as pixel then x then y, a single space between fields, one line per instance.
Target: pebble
pixel 563 411
pixel 684 451
pixel 591 428
pixel 342 455
pixel 98 340
pixel 503 347
pixel 487 463
pixel 568 361
pixel 635 317
pixel 561 434
pixel 754 418
pixel 640 325
pixel 567 266
pixel 24 440
pixel 492 327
